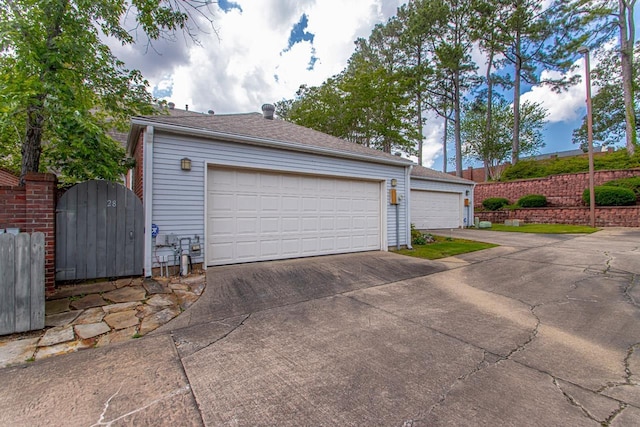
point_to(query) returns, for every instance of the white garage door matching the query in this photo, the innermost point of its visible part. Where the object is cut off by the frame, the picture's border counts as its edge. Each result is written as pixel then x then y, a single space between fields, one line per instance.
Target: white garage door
pixel 433 209
pixel 256 216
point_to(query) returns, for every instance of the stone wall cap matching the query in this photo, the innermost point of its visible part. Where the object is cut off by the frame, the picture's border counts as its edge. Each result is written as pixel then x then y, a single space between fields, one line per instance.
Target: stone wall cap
pixel 37 176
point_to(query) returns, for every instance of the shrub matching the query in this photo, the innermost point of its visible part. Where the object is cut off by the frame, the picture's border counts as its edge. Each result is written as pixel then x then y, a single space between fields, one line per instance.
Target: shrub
pixel 632 183
pixel 417 238
pixel 523 169
pixel 611 196
pixel 532 201
pixel 495 203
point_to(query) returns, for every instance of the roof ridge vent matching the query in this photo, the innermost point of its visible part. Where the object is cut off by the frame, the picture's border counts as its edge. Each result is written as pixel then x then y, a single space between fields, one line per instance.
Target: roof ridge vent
pixel 268 110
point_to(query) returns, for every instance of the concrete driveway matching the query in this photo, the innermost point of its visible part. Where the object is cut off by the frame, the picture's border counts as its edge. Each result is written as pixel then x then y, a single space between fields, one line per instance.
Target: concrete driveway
pixel 543 330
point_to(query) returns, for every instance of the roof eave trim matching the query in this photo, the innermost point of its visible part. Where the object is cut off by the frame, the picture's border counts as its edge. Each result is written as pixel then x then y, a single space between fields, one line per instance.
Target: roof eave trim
pixel 132 138
pixel 266 142
pixel 451 181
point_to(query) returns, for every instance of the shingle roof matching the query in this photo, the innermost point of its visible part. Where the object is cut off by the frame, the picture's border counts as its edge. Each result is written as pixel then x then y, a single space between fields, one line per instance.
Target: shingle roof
pixel 254 125
pixel 121 137
pixel 422 172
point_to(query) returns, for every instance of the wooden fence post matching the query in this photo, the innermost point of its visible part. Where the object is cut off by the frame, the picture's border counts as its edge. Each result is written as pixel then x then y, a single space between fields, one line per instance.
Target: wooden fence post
pixel 21 282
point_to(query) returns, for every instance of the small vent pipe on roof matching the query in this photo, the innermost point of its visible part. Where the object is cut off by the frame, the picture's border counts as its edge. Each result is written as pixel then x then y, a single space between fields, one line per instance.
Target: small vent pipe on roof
pixel 267 111
pixel 171 105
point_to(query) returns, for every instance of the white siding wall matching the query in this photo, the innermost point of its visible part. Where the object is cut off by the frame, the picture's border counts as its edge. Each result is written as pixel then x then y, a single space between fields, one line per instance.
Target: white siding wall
pixel 431 185
pixel 179 196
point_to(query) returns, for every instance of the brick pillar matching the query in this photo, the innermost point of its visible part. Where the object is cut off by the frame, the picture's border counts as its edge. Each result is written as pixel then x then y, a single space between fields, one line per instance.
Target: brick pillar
pixel 40 207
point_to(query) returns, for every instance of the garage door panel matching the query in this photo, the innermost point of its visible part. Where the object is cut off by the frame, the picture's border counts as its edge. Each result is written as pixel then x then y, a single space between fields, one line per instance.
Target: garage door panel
pixel 290 225
pixel 290 247
pixel 269 225
pixel 247 203
pixel 327 243
pixel 269 247
pixel 310 245
pixel 270 203
pixel 255 216
pixel 343 223
pixel 268 182
pixel 221 251
pixel 327 224
pixel 290 204
pixel 246 226
pixel 309 224
pixel 433 209
pixel 310 204
pixel 327 205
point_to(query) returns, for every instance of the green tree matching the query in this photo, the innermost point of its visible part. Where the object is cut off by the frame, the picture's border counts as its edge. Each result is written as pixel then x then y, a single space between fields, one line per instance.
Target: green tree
pixel 366 103
pixel 496 149
pixel 62 88
pixel 454 70
pixel 609 124
pixel 417 23
pixel 593 22
pixel 525 30
pixel 318 107
pixel 488 31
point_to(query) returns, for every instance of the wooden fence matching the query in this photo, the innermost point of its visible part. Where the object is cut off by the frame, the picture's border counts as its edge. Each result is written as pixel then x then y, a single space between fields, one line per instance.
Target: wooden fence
pixel 21 282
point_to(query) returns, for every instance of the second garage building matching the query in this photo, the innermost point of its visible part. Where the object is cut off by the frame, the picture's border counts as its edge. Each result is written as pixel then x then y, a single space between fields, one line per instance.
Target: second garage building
pixel 440 200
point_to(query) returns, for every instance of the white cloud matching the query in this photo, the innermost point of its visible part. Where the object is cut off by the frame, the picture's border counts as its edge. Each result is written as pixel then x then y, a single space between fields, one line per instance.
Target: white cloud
pixel 566 105
pixel 235 70
pixel 432 143
pixel 432 146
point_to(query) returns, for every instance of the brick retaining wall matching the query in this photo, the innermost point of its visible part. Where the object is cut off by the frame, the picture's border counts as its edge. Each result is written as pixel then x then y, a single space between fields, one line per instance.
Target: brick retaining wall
pixel 33 208
pixel 560 190
pixel 615 216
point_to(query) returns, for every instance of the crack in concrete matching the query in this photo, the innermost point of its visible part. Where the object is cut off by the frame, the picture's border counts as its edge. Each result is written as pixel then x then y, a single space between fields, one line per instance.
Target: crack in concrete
pixel 627 370
pixel 532 336
pixel 223 336
pixel 571 400
pixel 627 363
pixel 622 406
pixel 627 290
pixel 106 408
pixel 462 378
pixel 102 422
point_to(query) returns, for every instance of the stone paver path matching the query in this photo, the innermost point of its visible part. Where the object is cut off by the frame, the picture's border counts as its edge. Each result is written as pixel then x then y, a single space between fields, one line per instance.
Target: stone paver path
pixel 98 314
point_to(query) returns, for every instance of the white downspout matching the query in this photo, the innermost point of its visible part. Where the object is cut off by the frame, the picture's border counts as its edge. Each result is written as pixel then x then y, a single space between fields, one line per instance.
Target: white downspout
pixel 147 176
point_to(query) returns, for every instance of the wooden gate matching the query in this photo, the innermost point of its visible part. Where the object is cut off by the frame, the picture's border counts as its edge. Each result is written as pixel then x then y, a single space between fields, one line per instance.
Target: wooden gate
pixel 99 232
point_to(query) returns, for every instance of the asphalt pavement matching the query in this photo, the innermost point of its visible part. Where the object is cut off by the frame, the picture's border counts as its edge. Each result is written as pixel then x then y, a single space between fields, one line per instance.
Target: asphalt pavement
pixel 542 330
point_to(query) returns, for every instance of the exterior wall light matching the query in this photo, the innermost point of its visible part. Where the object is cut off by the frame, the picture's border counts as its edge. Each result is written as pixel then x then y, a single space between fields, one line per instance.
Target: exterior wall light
pixel 394 182
pixel 185 164
pixel 466 192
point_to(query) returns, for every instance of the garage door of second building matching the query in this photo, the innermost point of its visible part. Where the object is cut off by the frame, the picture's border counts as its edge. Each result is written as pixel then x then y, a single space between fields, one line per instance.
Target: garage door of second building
pixel 434 209
pixel 258 215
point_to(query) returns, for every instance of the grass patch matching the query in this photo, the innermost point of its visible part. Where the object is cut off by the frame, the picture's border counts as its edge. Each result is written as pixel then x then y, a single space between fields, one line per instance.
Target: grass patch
pixel 559 165
pixel 544 228
pixel 444 247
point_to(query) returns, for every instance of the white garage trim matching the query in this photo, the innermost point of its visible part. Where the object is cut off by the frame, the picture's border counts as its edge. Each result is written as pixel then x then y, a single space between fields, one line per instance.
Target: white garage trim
pixel 257 215
pixel 436 209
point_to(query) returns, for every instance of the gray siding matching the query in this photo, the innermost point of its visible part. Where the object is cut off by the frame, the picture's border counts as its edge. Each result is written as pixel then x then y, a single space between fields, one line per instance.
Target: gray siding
pixel 179 196
pixel 448 187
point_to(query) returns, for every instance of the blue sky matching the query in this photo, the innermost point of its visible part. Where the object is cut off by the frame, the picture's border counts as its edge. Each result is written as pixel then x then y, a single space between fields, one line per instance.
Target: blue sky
pixel 263 50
